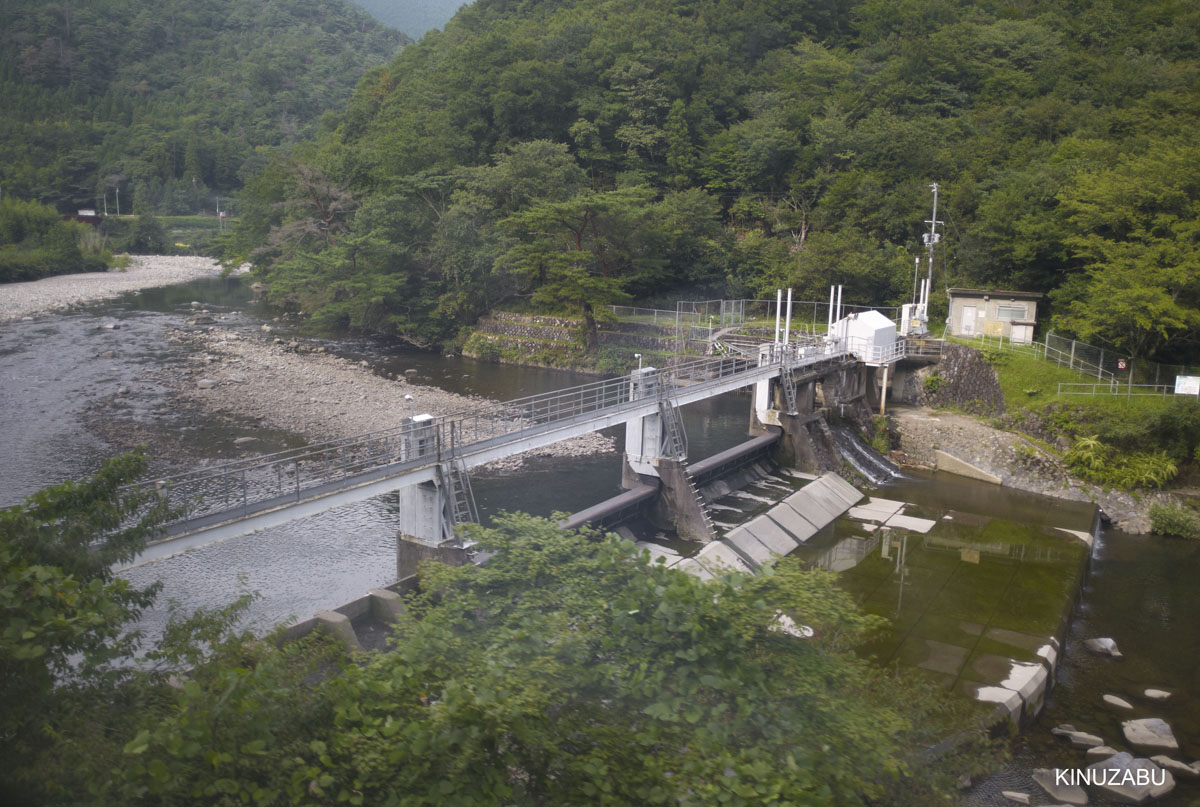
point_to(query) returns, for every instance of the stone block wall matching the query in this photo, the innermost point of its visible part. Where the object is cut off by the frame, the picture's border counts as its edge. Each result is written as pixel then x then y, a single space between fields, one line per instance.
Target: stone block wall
pixel 962 380
pixel 559 329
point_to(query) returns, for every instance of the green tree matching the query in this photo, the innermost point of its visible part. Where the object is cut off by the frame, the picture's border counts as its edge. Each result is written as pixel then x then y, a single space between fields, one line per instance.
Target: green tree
pixel 1136 228
pixel 569 669
pixel 582 251
pixel 66 617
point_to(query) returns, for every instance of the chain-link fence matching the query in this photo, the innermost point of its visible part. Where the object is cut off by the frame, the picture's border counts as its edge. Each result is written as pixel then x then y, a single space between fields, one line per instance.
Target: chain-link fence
pixel 1106 365
pixel 1109 364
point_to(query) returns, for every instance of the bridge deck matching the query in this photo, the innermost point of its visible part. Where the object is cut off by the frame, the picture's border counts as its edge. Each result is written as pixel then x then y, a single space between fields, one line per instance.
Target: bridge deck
pixel 242 496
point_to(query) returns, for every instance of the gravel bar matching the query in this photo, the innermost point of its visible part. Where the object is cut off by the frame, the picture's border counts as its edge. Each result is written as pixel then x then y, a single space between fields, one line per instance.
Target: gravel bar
pixel 36 297
pixel 294 387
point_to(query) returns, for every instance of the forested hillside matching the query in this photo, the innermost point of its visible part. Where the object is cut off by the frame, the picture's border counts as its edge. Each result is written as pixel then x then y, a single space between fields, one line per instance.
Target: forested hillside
pixel 413 17
pixel 594 151
pixel 169 102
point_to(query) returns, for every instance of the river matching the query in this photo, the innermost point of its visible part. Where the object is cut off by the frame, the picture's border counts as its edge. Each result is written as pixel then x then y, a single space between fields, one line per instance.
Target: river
pixel 66 379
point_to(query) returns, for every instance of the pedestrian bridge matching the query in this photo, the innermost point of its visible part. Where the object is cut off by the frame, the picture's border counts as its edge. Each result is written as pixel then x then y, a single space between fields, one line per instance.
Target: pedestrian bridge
pixel 234 498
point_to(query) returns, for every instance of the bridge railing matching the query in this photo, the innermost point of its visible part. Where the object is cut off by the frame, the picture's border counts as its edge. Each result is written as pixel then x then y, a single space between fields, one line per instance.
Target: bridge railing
pixel 240 487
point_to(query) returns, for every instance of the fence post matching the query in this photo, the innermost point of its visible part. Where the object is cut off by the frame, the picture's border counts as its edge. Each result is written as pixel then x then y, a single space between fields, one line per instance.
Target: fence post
pixel 1100 366
pixel 1071 364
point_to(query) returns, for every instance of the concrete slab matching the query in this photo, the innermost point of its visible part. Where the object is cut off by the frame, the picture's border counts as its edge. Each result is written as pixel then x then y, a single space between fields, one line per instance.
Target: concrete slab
pixel 745 543
pixel 952 464
pixel 792 522
pixel 721 559
pixel 771 535
pixel 658 550
pixel 839 487
pixel 1086 537
pixel 876 510
pixel 1007 702
pixel 911 523
pixel 690 566
pixel 816 504
pixel 832 495
pixel 938 656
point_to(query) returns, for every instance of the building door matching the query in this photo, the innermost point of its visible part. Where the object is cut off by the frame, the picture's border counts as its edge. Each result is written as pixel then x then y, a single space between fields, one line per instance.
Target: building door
pixel 968 320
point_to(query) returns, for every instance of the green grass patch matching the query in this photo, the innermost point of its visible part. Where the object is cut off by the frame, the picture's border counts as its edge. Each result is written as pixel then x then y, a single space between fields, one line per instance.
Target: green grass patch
pixel 1132 429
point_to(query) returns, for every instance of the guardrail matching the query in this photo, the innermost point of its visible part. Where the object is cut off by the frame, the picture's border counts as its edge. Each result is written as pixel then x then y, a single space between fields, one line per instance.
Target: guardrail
pixel 1116 388
pixel 243 487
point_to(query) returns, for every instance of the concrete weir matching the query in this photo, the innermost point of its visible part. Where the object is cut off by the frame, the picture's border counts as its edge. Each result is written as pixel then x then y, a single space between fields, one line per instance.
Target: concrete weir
pixel 783 528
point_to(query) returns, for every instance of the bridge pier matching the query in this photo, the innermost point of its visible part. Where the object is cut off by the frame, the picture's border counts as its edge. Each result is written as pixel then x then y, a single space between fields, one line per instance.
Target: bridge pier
pixel 644 435
pixel 411 552
pixel 848 392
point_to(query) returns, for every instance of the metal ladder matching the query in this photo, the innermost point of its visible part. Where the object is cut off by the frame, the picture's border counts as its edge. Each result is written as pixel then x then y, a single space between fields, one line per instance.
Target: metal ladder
pixel 462 498
pixel 674 438
pixel 788 382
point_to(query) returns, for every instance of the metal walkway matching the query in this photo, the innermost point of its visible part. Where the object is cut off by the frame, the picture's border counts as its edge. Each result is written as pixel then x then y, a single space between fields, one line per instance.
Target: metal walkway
pixel 234 498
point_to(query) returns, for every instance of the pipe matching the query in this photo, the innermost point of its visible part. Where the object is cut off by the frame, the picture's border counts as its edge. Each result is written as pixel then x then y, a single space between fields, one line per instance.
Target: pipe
pixel 787 323
pixel 839 309
pixel 778 304
pixel 829 318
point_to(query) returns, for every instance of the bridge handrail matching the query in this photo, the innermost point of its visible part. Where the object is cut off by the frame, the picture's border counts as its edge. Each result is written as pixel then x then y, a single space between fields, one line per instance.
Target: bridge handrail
pixel 252 479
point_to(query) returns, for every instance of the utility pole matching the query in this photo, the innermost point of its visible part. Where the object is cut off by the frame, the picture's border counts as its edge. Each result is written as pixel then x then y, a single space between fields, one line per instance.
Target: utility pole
pixel 932 237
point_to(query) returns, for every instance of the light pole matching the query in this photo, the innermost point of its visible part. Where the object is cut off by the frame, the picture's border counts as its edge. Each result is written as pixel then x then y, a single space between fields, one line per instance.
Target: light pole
pixel 638 356
pixel 412 412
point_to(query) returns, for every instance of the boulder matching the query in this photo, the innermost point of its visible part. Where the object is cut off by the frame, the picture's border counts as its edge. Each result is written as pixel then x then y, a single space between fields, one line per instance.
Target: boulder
pixel 1101 752
pixel 1016 796
pixel 206 383
pixel 1059 790
pixel 1103 647
pixel 122 390
pixel 1078 739
pixel 245 441
pixel 1120 703
pixel 1180 770
pixel 1157 694
pixel 1150 734
pixel 1127 780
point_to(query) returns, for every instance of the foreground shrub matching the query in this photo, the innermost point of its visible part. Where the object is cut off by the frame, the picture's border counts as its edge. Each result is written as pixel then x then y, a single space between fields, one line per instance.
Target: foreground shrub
pixel 1095 461
pixel 1172 519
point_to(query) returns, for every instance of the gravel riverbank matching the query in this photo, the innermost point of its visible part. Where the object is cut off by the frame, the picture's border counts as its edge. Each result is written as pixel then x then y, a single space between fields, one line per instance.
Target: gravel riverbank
pixel 36 297
pixel 1018 462
pixel 296 387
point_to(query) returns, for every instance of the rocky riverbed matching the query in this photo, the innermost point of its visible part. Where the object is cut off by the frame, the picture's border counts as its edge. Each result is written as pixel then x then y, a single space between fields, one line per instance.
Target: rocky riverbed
pixel 36 297
pixel 295 386
pixel 1016 461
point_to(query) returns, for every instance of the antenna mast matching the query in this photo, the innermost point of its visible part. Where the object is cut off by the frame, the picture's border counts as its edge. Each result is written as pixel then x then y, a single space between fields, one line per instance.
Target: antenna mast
pixel 931 239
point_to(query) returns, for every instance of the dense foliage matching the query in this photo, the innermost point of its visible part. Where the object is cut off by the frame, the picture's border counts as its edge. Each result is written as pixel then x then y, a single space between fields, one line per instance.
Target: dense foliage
pixel 166 104
pixel 1175 519
pixel 35 242
pixel 64 624
pixel 571 669
pixel 728 148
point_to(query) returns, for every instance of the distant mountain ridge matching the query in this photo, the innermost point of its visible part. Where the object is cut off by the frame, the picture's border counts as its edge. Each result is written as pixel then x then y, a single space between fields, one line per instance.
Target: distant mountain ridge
pixel 413 17
pixel 168 102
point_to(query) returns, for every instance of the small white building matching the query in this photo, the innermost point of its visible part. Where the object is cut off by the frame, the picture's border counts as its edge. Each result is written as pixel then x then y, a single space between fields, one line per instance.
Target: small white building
pixel 868 334
pixel 996 312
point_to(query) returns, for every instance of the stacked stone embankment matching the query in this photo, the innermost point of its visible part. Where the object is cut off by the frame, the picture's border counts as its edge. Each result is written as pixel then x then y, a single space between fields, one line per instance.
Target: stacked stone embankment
pixel 556 339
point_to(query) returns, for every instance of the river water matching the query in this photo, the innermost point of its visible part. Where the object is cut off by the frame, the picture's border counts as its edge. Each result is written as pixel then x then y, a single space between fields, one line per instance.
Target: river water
pixel 65 377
